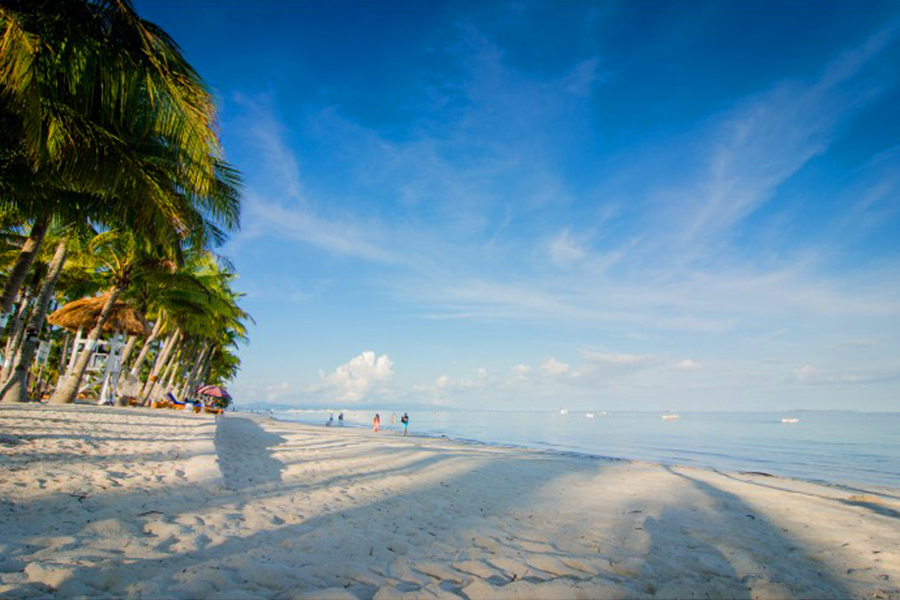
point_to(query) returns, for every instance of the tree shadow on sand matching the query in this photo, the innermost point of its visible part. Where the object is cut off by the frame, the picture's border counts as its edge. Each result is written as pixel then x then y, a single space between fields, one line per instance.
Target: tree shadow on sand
pixel 461 524
pixel 711 546
pixel 237 439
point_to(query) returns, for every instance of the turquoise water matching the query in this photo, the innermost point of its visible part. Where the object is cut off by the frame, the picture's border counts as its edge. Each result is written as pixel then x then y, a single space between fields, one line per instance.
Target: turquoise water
pixel 847 448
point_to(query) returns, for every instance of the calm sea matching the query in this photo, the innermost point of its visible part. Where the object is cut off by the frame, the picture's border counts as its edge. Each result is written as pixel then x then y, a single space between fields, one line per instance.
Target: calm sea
pixel 835 447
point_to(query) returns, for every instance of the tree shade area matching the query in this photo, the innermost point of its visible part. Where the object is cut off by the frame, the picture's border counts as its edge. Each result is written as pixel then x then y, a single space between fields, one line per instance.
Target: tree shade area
pixel 114 195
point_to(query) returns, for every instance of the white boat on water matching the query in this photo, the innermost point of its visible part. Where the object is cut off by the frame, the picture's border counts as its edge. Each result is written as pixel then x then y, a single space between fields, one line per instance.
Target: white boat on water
pixel 564 411
pixel 589 415
pixel 790 420
pixel 670 417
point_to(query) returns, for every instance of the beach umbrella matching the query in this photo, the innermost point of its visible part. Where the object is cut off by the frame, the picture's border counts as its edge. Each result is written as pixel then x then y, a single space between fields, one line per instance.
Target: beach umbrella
pixel 214 391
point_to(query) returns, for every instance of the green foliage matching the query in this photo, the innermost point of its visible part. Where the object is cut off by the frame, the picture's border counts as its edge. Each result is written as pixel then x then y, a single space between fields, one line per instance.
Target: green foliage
pixel 102 119
pixel 103 123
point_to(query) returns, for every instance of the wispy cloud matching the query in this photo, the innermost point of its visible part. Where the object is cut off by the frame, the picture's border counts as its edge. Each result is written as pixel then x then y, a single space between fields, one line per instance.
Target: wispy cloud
pixel 267 218
pixel 469 211
pixel 275 203
pixel 767 139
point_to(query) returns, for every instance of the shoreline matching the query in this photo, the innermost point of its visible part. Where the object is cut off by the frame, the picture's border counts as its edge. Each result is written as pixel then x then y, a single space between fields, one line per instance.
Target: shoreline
pixel 112 502
pixel 537 447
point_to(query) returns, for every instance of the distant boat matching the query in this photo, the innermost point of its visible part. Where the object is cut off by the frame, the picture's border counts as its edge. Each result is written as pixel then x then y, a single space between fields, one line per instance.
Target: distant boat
pixel 564 411
pixel 670 417
pixel 589 415
pixel 790 420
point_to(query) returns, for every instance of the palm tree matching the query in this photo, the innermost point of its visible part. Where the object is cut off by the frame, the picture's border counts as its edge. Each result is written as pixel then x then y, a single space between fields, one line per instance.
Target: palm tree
pixel 103 120
pixel 123 258
pixel 101 117
pixel 16 387
pixel 201 320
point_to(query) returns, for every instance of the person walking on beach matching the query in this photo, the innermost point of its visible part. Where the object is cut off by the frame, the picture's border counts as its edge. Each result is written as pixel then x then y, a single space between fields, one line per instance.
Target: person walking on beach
pixel 405 420
pixel 376 423
pixel 330 420
pixel 393 418
pixel 341 419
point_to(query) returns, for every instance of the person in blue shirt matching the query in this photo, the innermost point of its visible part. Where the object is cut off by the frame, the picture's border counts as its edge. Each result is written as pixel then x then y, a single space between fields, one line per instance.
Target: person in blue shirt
pixel 405 420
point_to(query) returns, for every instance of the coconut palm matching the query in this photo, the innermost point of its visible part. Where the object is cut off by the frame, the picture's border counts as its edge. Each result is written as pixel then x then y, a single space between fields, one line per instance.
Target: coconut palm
pixel 123 258
pixel 23 310
pixel 103 121
pixel 201 320
pixel 16 387
pixel 97 104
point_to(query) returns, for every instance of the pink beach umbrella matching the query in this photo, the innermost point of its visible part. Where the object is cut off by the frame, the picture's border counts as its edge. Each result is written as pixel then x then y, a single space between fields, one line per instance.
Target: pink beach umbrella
pixel 214 391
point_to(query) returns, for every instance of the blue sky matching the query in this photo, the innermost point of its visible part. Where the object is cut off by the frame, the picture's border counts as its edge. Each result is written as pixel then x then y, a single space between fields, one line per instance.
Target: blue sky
pixel 611 206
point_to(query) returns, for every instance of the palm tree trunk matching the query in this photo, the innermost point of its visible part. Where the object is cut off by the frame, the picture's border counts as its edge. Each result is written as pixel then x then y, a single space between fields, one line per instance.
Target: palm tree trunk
pixel 130 379
pixel 18 322
pixel 183 362
pixel 161 356
pixel 73 355
pixel 181 380
pixel 207 365
pixel 63 353
pixel 65 394
pixel 126 353
pixel 171 374
pixel 167 371
pixel 26 256
pixel 15 389
pixel 161 361
pixel 191 381
pixel 178 363
pixel 135 371
pixel 14 341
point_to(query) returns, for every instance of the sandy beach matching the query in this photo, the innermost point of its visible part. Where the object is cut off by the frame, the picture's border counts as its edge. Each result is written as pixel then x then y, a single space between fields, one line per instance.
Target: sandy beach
pixel 107 503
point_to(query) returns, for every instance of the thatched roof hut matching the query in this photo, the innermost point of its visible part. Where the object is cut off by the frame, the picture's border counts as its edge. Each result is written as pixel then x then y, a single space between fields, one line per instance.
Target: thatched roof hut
pixel 84 313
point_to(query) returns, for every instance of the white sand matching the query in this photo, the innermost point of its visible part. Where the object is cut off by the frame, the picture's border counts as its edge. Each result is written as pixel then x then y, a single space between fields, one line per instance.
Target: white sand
pixel 108 503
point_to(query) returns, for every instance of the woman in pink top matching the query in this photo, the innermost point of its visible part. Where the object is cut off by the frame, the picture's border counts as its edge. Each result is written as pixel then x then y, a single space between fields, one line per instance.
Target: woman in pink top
pixel 376 423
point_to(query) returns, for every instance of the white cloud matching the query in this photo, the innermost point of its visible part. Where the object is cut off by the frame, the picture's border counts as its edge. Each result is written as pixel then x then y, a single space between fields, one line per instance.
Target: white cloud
pixel 481 380
pixel 278 391
pixel 361 376
pixel 521 371
pixel 554 368
pixel 687 365
pixel 805 373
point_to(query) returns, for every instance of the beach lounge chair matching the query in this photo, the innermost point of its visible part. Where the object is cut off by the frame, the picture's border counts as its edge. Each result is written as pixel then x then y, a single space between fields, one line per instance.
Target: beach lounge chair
pixel 173 402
